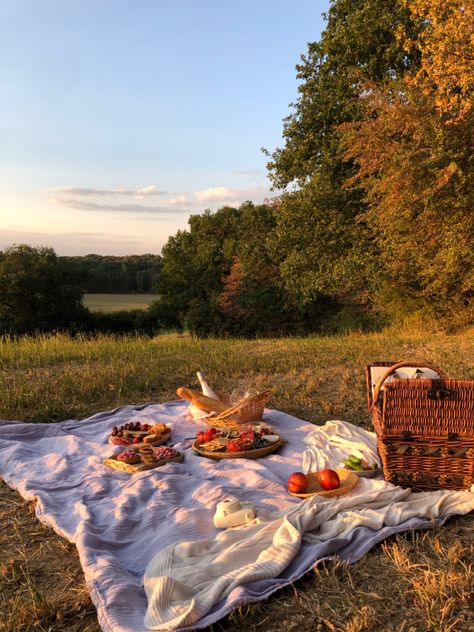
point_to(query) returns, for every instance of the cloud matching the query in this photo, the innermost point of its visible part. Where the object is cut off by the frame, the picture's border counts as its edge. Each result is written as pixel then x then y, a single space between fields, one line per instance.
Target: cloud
pixel 236 196
pixel 116 208
pixel 180 198
pixel 90 191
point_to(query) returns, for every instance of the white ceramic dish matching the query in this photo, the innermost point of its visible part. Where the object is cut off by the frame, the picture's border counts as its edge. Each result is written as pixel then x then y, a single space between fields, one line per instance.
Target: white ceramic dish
pixel 271 438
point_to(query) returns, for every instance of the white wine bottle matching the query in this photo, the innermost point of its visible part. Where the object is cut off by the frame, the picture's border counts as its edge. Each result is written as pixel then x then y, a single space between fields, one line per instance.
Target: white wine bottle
pixel 206 389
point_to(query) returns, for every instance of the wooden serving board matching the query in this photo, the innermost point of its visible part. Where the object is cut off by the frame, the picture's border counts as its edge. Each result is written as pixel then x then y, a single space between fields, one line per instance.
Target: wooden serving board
pixel 140 467
pixel 162 439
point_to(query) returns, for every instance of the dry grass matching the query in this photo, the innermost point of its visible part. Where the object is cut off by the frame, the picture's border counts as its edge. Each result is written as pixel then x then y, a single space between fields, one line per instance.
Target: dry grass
pixel 414 582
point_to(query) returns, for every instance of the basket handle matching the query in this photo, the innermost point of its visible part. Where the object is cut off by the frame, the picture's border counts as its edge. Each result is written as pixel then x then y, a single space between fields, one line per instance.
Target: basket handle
pixel 399 365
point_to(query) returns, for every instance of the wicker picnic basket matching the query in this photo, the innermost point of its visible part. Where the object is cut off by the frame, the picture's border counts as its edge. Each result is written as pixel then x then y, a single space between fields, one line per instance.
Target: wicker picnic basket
pixel 249 411
pixel 424 428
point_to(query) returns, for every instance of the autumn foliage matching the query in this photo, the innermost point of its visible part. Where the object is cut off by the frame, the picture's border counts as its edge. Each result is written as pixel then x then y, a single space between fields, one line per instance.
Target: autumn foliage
pixel 446 44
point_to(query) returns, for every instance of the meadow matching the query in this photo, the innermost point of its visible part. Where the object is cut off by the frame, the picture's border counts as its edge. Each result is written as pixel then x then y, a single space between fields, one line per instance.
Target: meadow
pixel 117 302
pixel 414 582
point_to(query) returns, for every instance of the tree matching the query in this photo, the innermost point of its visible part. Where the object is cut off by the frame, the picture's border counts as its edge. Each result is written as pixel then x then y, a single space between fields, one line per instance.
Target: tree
pixel 418 174
pixel 322 240
pixel 194 263
pixel 413 150
pixel 38 292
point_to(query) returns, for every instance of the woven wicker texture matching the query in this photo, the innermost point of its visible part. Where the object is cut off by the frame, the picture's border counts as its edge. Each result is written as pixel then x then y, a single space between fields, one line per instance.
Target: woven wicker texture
pixel 248 411
pixel 140 467
pixel 245 454
pixel 425 432
pixel 348 481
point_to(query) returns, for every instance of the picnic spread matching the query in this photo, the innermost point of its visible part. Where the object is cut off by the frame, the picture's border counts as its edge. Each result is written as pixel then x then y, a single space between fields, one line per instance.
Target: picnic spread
pixel 182 511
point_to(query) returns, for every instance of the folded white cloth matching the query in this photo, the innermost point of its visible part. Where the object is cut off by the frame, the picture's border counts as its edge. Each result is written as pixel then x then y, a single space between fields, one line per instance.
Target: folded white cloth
pixel 328 445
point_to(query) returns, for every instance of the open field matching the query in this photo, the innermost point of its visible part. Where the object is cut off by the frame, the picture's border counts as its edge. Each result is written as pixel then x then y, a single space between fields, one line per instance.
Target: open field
pixel 117 302
pixel 414 582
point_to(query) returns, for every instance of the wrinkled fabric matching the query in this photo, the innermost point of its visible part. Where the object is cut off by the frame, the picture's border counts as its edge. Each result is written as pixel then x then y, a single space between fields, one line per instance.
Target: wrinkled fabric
pixel 120 522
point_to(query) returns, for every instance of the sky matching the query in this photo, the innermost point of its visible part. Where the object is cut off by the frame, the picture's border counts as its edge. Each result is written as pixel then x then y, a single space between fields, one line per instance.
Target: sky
pixel 121 118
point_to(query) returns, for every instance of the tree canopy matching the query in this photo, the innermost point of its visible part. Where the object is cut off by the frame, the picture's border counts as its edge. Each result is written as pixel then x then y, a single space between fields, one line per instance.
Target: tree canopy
pixel 38 292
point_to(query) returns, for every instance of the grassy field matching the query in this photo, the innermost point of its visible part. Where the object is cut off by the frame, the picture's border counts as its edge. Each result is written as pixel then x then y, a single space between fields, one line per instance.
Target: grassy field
pixel 117 302
pixel 414 582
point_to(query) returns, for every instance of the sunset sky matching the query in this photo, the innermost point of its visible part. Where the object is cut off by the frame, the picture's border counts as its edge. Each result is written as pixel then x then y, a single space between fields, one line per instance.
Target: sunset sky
pixel 120 118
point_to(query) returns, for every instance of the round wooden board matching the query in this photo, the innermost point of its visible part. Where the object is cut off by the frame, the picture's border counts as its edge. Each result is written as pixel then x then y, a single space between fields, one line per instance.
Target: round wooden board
pixel 348 481
pixel 245 454
pixel 132 446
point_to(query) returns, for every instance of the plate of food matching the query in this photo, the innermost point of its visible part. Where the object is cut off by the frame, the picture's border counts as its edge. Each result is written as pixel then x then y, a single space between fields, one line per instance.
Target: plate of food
pixel 145 458
pixel 137 434
pixel 248 443
pixel 360 466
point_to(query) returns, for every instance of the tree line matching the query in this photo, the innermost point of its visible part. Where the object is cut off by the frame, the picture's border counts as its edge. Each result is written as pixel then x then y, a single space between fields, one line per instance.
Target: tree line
pixel 122 275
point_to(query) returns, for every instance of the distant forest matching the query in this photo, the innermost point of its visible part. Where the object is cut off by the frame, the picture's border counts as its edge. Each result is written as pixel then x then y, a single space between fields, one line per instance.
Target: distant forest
pixel 118 275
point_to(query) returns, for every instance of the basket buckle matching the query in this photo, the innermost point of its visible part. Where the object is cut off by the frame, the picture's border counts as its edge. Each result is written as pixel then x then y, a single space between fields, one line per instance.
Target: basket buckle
pixel 440 394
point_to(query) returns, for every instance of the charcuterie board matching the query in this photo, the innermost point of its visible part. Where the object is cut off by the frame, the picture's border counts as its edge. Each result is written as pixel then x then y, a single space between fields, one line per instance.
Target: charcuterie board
pixel 256 453
pixel 140 466
pixel 137 434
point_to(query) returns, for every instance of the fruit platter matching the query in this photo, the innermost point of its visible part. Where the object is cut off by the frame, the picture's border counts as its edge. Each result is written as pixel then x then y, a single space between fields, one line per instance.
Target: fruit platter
pixel 138 434
pixel 251 442
pixel 145 458
pixel 360 466
pixel 327 483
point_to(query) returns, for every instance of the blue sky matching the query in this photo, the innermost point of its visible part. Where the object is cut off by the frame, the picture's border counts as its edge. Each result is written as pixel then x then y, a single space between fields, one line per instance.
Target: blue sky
pixel 120 118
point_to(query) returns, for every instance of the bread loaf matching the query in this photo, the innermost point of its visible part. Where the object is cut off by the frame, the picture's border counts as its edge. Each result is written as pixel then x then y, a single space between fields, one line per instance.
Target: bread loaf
pixel 201 401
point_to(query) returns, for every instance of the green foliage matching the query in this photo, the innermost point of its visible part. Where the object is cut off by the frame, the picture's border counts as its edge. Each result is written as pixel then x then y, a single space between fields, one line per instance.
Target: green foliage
pixel 359 40
pixel 137 321
pixel 108 274
pixel 39 292
pixel 220 278
pixel 321 238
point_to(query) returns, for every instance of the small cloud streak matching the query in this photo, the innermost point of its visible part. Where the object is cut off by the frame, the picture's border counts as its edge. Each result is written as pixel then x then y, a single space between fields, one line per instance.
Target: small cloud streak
pixel 116 208
pixel 225 194
pixel 177 202
pixel 90 191
pixel 180 198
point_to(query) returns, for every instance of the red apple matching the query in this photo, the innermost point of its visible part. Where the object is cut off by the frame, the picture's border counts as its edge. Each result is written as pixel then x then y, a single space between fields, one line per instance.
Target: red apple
pixel 298 482
pixel 328 479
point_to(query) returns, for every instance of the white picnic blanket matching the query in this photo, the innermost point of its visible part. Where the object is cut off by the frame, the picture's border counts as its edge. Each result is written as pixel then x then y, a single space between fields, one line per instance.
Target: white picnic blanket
pixel 185 580
pixel 121 523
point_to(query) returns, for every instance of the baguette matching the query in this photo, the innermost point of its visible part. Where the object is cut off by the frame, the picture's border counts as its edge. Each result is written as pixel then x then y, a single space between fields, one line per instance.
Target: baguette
pixel 207 404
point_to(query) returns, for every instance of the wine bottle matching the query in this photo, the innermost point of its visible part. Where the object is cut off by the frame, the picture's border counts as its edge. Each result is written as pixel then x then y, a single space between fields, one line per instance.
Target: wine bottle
pixel 206 389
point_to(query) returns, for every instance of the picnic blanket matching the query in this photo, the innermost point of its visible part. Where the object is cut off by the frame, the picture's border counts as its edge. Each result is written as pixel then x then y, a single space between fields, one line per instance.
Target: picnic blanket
pixel 160 519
